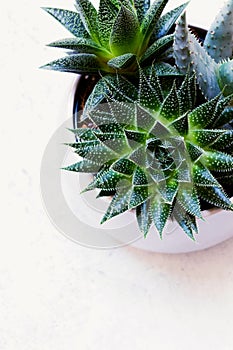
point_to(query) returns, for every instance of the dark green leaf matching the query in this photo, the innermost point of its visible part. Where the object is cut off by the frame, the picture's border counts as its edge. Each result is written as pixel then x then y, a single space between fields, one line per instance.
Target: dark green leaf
pixel 188 200
pixel 151 18
pixel 80 63
pixel 201 116
pixel 80 45
pixel 217 161
pixel 224 142
pixel 170 109
pixel 123 61
pixel 138 196
pixel 203 177
pixel 106 16
pixel 108 180
pixel 125 31
pixel 160 212
pixel 144 217
pixel 165 23
pixel 119 204
pixel 147 95
pixel 141 6
pixel 158 47
pixel 205 137
pixel 214 196
pixel 194 151
pixel 70 20
pixel 187 93
pixel 139 177
pixel 85 166
pixel 88 15
pixel 186 221
pixel 124 166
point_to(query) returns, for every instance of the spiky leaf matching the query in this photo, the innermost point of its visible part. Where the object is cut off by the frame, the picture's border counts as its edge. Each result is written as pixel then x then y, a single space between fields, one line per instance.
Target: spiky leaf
pixel 124 33
pixel 70 20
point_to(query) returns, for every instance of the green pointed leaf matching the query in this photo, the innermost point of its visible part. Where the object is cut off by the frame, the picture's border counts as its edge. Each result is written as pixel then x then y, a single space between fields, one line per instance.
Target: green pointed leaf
pixel 145 119
pixel 144 217
pixel 80 63
pixel 124 166
pixel 187 94
pixel 189 201
pixel 194 151
pixel 158 47
pixel 217 161
pixel 96 97
pixel 84 134
pixel 141 6
pixel 125 32
pixel 224 118
pixel 139 156
pixel 138 196
pixel 123 61
pixel 108 180
pixel 95 151
pixel 80 45
pixel 135 137
pixel 151 18
pixel 88 15
pixel 120 88
pixel 201 116
pixel 106 17
pixel 119 204
pixel 147 95
pixel 205 137
pixel 160 212
pixel 186 221
pixel 181 124
pixel 168 189
pixel 154 82
pixel 70 20
pixel 224 142
pixel 166 22
pixel 139 177
pixel 123 112
pixel 116 142
pixel 85 166
pixel 203 177
pixel 112 128
pixel 170 109
pixel 215 196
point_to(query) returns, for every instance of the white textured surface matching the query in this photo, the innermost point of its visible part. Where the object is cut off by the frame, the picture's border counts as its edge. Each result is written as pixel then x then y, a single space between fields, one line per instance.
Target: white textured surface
pixel 55 295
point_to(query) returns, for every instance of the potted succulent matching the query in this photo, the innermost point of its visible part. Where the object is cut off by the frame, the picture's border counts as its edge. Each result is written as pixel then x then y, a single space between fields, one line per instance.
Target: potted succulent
pixel 156 130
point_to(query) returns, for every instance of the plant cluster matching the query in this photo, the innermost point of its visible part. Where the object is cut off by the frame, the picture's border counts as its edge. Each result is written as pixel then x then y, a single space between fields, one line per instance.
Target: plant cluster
pixel 160 134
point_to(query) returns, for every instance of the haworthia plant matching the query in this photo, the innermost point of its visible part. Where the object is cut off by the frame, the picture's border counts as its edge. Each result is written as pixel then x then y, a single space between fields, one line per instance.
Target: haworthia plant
pixel 211 61
pixel 121 34
pixel 158 154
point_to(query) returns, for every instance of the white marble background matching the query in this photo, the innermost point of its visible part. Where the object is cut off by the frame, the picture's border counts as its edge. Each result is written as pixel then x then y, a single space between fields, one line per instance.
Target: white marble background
pixel 54 294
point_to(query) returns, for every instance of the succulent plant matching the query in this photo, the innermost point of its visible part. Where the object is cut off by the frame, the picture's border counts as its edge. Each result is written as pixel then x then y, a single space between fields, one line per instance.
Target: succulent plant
pixel 116 37
pixel 156 154
pixel 211 61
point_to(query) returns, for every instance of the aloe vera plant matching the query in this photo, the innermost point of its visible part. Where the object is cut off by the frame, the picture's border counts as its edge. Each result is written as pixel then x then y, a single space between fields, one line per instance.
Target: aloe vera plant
pixel 156 153
pixel 212 61
pixel 121 34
